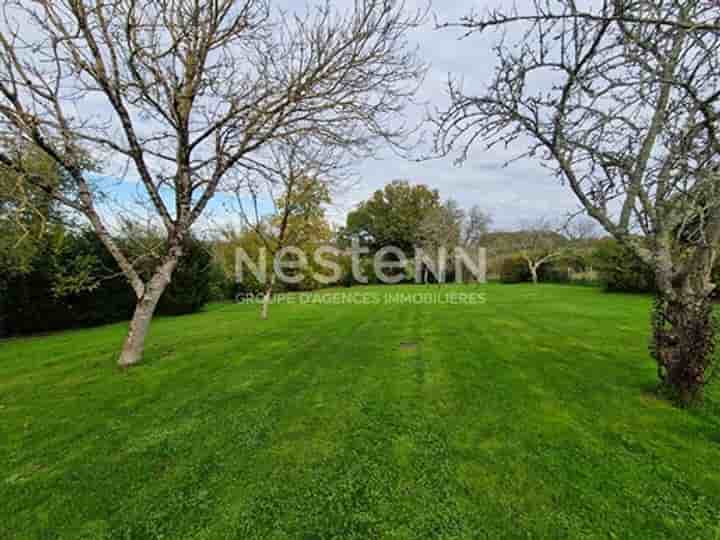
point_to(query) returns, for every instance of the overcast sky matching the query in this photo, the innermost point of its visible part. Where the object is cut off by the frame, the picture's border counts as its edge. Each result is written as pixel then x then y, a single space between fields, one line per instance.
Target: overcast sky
pixel 521 191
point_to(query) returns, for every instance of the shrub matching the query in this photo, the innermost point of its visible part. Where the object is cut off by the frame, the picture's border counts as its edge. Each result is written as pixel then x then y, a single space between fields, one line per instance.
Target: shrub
pixel 621 270
pixel 39 300
pixel 49 297
pixel 514 270
pixel 189 289
pixel 554 273
pixel 220 286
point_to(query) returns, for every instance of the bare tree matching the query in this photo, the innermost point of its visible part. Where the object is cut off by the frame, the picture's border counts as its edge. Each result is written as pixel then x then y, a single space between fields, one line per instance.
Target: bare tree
pixel 476 224
pixel 579 229
pixel 183 92
pixel 441 229
pixel 539 243
pixel 297 179
pixel 622 102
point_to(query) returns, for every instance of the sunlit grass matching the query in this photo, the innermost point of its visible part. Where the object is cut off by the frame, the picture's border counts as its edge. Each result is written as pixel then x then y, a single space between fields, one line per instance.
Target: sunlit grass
pixel 531 415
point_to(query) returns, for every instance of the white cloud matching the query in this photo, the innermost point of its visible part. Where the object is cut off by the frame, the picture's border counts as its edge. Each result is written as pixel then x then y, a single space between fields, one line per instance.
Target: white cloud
pixel 523 190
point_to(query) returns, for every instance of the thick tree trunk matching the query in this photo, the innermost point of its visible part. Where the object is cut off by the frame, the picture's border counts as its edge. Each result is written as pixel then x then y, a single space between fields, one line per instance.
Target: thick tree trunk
pixel 134 346
pixel 684 330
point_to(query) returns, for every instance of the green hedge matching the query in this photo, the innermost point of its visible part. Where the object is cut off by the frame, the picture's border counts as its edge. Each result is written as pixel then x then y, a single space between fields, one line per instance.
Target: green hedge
pixel 31 303
pixel 515 270
pixel 621 270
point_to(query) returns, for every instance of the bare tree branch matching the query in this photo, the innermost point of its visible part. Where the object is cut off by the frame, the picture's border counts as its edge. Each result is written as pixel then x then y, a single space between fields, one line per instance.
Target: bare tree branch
pixel 189 91
pixel 622 101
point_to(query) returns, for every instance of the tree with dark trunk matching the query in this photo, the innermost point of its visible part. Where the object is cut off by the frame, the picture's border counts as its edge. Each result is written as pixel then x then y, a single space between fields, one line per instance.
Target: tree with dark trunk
pixel 178 94
pixel 622 100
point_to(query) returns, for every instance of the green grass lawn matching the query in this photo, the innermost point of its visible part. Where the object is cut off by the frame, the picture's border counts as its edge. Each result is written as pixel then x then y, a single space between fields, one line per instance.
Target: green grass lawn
pixel 531 416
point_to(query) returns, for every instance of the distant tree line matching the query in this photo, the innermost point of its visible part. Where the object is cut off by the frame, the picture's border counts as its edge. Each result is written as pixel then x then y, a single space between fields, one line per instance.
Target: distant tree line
pixel 56 275
pixel 411 218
